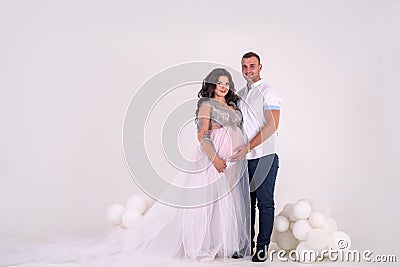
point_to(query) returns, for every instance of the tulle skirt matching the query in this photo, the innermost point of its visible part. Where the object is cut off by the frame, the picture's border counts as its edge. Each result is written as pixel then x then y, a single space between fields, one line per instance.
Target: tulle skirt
pixel 217 228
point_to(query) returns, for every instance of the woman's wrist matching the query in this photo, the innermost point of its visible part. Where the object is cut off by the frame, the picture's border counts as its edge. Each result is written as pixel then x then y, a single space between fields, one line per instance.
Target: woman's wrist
pixel 215 158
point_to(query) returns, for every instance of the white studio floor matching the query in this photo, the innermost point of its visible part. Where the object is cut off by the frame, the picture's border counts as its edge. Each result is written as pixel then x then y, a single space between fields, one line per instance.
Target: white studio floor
pixel 226 263
pixel 230 262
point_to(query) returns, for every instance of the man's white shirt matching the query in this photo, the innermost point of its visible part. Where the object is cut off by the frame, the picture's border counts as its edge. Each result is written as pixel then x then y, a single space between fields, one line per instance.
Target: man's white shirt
pixel 252 104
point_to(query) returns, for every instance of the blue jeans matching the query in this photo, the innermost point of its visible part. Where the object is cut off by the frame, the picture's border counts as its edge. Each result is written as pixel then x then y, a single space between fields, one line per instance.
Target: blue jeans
pixel 262 175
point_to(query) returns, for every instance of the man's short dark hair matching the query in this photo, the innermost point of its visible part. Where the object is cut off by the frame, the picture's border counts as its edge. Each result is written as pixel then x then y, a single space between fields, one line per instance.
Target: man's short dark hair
pixel 252 54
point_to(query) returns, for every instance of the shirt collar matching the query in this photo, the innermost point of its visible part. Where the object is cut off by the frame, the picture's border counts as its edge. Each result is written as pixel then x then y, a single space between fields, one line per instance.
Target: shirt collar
pixel 258 82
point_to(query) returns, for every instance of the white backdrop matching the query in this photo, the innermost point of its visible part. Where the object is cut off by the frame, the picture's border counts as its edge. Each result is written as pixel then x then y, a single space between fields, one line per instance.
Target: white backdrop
pixel 68 70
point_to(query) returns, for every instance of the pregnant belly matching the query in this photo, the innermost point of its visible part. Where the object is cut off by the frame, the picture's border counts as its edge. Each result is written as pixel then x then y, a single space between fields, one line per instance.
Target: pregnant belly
pixel 226 139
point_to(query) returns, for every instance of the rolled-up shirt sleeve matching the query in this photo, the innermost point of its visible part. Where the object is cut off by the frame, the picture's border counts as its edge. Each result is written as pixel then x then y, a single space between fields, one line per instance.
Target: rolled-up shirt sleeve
pixel 271 99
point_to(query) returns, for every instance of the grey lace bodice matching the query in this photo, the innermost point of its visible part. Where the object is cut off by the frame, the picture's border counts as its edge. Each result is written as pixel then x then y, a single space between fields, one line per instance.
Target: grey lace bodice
pixel 222 115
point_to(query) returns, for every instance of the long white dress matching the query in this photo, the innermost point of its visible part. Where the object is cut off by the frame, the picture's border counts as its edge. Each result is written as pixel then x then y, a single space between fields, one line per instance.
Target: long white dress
pixel 216 229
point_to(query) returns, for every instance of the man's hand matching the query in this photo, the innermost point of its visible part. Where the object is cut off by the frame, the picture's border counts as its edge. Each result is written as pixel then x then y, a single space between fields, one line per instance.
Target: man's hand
pixel 241 151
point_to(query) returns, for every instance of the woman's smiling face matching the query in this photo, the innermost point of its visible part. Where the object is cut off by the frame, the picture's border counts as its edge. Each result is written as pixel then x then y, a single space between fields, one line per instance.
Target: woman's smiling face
pixel 222 86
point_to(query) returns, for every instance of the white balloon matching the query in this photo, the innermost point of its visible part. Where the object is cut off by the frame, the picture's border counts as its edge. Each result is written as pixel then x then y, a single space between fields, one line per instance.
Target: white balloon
pixel 291 225
pixel 330 225
pixel 288 206
pixel 281 224
pixel 286 240
pixel 306 200
pixel 318 239
pixel 136 202
pixel 301 210
pixel 284 213
pixel 321 206
pixel 286 209
pixel 130 218
pixel 115 212
pixel 305 254
pixel 317 219
pixel 340 241
pixel 301 228
pixel 292 215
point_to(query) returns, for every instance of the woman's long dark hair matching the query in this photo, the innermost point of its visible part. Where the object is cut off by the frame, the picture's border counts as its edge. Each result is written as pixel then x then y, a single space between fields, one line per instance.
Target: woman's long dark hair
pixel 209 85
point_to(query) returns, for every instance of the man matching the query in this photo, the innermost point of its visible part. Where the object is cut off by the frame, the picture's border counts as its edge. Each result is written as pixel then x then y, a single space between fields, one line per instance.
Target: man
pixel 260 107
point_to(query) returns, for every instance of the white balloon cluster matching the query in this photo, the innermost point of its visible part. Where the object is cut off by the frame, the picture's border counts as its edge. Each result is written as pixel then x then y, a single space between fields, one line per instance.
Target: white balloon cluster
pixel 306 225
pixel 127 216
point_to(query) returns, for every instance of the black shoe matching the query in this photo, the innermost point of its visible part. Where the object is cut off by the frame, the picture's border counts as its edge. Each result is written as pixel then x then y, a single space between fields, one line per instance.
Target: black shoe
pixel 237 256
pixel 259 256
